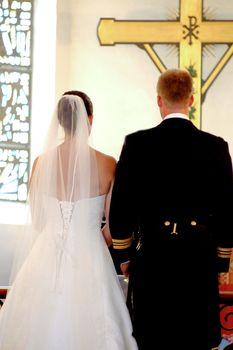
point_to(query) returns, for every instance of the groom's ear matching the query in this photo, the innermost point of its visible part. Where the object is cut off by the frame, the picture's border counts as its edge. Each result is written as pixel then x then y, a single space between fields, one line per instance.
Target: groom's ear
pixel 191 99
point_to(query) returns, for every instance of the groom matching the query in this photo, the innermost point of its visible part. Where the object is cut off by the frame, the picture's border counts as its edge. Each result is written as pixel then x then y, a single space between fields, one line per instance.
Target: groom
pixel 173 201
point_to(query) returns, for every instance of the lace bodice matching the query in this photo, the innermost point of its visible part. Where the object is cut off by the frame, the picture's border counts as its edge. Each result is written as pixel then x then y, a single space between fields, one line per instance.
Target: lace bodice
pixel 72 224
pixel 66 213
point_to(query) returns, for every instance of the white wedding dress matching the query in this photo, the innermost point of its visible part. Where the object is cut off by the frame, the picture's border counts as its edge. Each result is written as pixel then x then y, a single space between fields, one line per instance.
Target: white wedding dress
pixel 67 295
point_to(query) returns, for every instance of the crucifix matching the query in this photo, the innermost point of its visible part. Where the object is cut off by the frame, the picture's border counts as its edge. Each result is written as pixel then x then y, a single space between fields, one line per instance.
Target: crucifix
pixel 189 32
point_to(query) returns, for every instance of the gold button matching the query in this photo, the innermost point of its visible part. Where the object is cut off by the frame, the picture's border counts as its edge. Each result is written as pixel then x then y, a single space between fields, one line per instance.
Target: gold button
pixel 193 223
pixel 167 223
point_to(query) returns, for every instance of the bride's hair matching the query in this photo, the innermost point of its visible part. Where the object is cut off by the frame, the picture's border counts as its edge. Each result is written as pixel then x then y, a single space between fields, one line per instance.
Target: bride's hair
pixel 86 99
pixel 65 114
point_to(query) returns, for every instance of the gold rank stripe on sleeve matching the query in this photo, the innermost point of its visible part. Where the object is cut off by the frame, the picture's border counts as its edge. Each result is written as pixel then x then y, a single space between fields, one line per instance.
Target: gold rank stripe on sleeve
pixel 122 243
pixel 224 252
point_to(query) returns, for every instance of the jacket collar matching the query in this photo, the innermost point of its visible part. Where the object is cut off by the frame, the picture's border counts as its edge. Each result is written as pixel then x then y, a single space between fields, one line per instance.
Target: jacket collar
pixel 176 115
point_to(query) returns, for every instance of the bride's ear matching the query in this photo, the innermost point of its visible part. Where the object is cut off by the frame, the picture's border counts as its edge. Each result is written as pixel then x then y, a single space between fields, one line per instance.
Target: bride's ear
pixel 90 118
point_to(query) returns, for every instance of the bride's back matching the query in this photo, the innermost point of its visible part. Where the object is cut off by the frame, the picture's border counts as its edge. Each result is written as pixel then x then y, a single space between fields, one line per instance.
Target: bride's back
pixel 102 171
pixel 70 169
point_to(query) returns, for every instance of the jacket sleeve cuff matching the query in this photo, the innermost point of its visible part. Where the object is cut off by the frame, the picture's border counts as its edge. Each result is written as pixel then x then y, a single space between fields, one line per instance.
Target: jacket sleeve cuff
pixel 224 257
pixel 123 248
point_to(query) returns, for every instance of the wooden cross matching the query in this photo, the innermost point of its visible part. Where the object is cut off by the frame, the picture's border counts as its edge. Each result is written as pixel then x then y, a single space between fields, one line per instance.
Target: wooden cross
pixel 190 32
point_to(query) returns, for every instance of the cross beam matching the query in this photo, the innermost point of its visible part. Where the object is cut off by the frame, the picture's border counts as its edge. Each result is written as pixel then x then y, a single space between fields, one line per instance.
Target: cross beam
pixel 190 32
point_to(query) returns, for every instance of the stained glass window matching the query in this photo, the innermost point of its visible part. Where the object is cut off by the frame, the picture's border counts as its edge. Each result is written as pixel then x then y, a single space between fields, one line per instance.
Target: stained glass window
pixel 15 98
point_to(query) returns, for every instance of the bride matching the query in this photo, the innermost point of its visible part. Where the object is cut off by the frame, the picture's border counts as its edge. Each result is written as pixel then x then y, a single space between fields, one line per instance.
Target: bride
pixel 66 294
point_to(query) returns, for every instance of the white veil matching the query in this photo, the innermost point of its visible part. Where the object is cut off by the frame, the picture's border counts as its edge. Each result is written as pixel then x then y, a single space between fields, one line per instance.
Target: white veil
pixel 66 171
pixel 68 284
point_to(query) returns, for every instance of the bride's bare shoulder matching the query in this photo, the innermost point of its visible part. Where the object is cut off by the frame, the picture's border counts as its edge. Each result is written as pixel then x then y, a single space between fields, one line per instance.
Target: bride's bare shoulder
pixel 106 165
pixel 106 158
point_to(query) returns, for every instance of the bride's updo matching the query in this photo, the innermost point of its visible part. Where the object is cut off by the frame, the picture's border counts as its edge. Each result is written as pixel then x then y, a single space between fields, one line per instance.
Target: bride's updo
pixel 67 109
pixel 65 113
pixel 86 99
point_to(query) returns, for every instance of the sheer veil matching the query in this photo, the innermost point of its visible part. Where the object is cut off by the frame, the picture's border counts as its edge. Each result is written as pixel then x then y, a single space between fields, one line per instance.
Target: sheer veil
pixel 65 172
pixel 67 294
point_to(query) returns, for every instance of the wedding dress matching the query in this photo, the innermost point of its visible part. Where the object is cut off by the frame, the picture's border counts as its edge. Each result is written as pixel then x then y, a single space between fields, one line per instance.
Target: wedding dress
pixel 66 294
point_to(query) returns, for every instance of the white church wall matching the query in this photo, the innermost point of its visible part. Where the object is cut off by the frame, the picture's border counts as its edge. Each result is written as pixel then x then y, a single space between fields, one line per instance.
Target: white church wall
pixel 8 234
pixel 121 79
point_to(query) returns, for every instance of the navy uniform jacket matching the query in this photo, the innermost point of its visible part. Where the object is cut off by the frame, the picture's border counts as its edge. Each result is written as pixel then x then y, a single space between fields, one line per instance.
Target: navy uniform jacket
pixel 174 189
